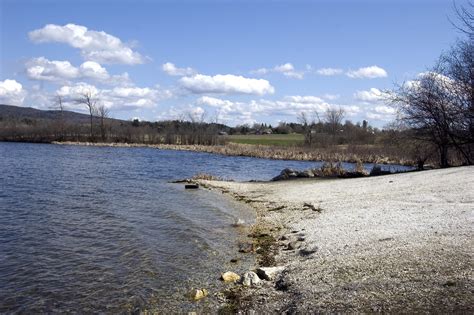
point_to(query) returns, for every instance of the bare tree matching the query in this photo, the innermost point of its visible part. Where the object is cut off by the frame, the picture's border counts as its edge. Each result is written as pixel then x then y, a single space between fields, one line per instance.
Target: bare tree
pixel 103 114
pixel 307 124
pixel 465 17
pixel 334 117
pixel 59 105
pixel 87 99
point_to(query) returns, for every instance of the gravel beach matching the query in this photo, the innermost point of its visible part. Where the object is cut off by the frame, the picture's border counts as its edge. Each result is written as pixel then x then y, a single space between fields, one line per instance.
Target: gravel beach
pixel 397 243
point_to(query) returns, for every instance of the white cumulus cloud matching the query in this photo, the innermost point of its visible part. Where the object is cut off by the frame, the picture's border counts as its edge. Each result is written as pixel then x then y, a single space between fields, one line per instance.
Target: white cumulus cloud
pixel 94 45
pixel 42 69
pixel 371 72
pixel 11 92
pixel 171 69
pixel 329 71
pixel 370 96
pixel 118 98
pixel 225 84
pixel 286 69
pixel 385 110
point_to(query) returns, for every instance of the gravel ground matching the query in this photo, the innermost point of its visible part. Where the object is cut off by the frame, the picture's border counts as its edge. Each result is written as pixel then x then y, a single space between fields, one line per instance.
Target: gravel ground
pixel 397 243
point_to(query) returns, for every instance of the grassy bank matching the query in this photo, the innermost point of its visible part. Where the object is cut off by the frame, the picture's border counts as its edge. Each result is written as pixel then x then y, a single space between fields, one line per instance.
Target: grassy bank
pixel 293 139
pixel 351 154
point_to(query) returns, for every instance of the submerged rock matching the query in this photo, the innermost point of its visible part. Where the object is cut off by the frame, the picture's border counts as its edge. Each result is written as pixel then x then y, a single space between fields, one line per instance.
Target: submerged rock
pixel 246 247
pixel 269 273
pixel 250 278
pixel 230 276
pixel 197 294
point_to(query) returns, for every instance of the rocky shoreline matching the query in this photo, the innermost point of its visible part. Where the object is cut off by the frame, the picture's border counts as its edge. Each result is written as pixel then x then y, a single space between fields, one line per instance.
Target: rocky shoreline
pixel 398 243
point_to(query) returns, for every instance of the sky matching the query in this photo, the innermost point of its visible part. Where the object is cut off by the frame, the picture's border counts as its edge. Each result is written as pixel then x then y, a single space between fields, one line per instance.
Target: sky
pixel 233 62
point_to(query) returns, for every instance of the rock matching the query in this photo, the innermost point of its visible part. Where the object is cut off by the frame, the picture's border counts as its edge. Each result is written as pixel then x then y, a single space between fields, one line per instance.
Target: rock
pixel 293 245
pixel 191 186
pixel 269 273
pixel 306 174
pixel 197 294
pixel 307 252
pixel 230 276
pixel 287 173
pixel 283 238
pixel 283 284
pixel 246 247
pixel 301 239
pixel 250 278
pixel 312 207
pixel 238 222
pixel 234 260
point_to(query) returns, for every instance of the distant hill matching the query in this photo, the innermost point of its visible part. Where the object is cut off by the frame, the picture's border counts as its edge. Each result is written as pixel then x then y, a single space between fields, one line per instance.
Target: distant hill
pixel 9 112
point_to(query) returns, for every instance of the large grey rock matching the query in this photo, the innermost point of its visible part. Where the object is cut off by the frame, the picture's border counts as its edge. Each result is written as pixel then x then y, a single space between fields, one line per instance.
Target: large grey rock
pixel 269 273
pixel 250 278
pixel 287 173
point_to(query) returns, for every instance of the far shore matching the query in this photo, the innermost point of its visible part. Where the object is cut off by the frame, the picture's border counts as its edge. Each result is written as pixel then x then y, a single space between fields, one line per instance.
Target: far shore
pixel 258 151
pixel 399 244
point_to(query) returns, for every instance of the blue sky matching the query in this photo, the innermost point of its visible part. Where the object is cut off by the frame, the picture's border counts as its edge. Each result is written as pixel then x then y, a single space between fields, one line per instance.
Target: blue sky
pixel 232 61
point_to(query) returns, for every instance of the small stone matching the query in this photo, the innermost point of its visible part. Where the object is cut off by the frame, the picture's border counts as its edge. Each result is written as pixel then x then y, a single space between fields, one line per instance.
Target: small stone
pixel 197 294
pixel 283 238
pixel 250 278
pixel 246 247
pixel 230 276
pixel 269 273
pixel 283 284
pixel 234 260
pixel 307 252
pixel 301 239
pixel 293 245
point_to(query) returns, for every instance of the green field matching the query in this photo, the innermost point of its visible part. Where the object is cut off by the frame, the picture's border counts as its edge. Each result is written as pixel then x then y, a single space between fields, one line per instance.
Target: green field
pixel 274 139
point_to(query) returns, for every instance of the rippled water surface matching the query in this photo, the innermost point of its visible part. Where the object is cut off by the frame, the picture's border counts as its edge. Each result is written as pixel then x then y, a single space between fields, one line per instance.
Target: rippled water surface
pixel 94 229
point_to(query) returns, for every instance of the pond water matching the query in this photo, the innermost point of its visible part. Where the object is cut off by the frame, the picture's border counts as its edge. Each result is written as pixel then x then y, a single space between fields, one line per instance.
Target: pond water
pixel 100 229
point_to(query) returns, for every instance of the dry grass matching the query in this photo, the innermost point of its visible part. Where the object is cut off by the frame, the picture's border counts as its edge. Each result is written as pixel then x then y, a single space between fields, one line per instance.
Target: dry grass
pixel 351 154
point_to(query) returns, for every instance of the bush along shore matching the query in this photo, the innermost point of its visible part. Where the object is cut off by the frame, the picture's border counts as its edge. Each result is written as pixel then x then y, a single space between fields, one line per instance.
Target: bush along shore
pixel 360 154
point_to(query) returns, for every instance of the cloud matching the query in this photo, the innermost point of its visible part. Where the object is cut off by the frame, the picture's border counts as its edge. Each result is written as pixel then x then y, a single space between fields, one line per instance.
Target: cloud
pixel 286 69
pixel 367 72
pixel 331 97
pixel 225 84
pixel 385 110
pixel 371 96
pixel 171 69
pixel 289 107
pixel 119 98
pixel 94 45
pixel 11 92
pixel 329 71
pixel 42 69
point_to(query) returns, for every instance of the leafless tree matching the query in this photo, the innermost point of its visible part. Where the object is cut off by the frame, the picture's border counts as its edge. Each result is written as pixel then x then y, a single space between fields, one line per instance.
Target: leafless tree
pixel 59 105
pixel 103 114
pixel 305 121
pixel 465 17
pixel 88 99
pixel 334 117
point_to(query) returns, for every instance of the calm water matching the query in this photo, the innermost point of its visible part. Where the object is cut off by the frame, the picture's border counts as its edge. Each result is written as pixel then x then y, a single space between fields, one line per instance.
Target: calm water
pixel 101 229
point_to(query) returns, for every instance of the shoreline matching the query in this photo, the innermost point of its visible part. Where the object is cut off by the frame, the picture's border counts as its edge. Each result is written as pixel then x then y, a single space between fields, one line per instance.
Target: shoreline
pixel 255 151
pixel 398 243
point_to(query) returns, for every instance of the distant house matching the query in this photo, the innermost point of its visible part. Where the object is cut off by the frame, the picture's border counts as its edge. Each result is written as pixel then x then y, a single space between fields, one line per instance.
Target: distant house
pixel 223 133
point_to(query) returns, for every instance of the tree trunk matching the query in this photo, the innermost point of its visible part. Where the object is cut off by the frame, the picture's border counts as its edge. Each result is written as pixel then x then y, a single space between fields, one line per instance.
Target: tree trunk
pixel 443 155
